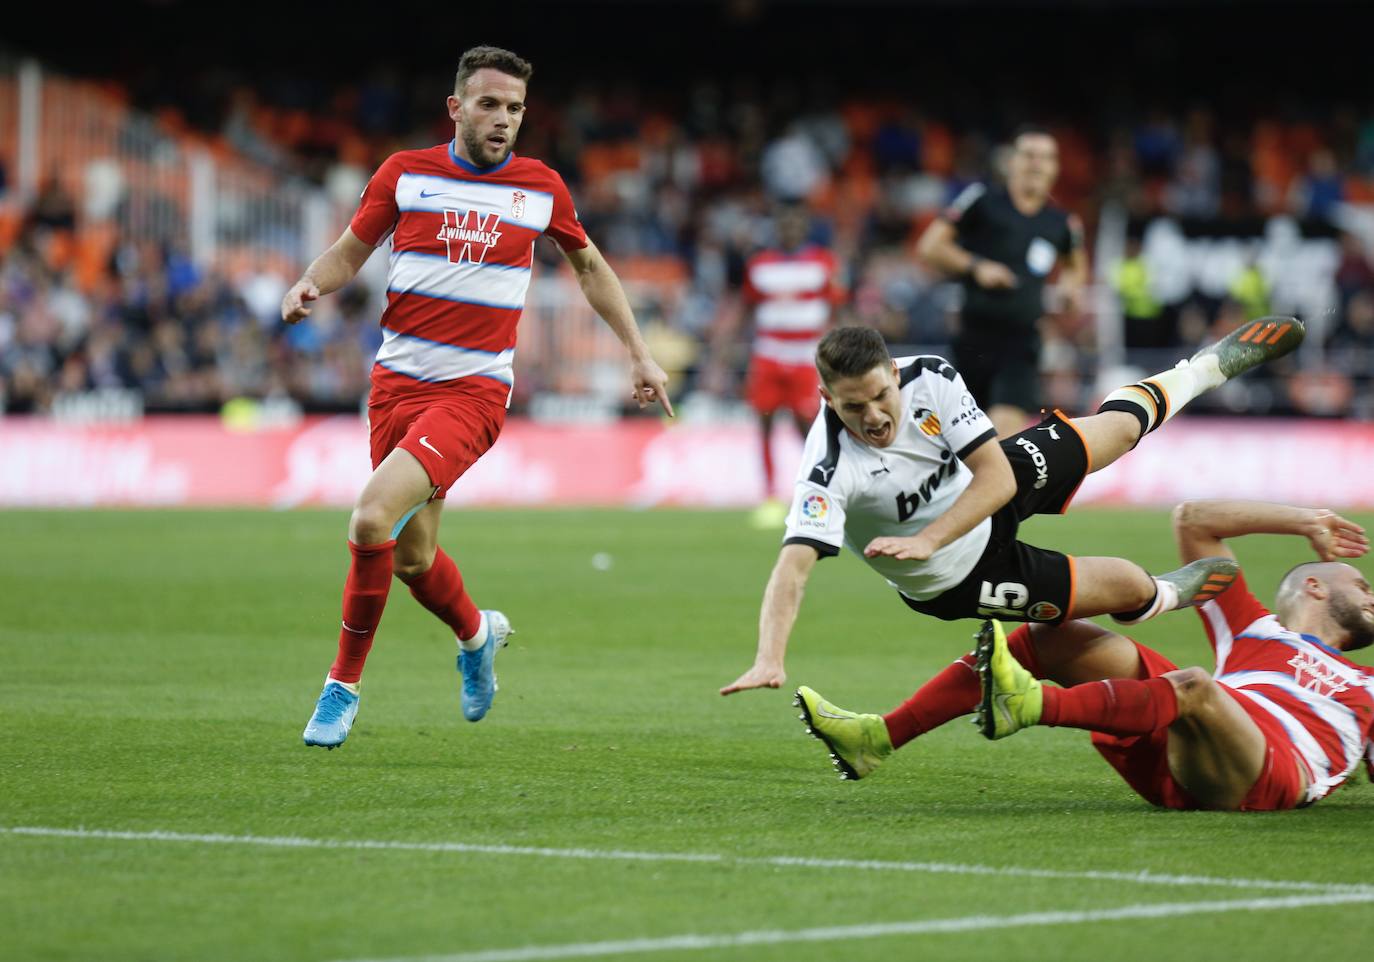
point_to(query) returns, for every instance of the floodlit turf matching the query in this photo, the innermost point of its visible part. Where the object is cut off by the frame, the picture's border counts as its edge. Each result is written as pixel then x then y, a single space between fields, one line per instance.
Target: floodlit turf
pixel 158 669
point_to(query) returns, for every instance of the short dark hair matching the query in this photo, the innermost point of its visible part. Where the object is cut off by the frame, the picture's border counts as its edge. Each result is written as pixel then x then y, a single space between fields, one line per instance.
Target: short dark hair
pixel 1031 130
pixel 494 57
pixel 850 351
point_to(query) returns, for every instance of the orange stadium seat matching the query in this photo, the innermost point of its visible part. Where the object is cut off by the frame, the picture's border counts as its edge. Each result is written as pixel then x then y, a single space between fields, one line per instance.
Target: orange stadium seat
pixel 95 243
pixel 937 149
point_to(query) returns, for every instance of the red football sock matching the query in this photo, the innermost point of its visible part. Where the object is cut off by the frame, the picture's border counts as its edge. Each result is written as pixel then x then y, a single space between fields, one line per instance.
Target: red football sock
pixel 364 598
pixel 1019 644
pixel 953 692
pixel 440 589
pixel 767 450
pixel 1117 706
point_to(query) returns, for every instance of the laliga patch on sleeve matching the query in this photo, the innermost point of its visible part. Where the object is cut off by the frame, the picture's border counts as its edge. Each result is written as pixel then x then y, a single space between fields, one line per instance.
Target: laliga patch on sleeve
pixel 814 511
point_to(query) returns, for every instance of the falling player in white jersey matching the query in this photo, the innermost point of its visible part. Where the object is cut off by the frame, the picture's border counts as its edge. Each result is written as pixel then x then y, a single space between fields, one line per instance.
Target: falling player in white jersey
pixel 904 469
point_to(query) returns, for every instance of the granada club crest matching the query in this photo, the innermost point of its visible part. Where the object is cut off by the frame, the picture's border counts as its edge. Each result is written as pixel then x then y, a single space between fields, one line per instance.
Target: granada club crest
pixel 517 205
pixel 469 235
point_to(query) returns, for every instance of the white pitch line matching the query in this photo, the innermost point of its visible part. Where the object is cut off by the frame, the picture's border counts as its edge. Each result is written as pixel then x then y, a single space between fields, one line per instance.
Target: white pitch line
pixel 965 923
pixel 615 855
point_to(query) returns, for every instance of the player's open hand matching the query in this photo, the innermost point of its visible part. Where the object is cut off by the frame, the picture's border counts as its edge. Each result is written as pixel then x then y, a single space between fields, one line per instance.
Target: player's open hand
pixel 760 676
pixel 903 549
pixel 1335 537
pixel 651 384
pixel 293 305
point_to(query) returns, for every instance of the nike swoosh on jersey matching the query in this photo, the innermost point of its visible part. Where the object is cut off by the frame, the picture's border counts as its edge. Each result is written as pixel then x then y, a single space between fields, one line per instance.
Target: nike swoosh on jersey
pixel 430 194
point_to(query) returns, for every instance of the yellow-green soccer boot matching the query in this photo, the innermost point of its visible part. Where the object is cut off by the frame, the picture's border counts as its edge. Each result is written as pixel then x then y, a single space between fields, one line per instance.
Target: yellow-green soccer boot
pixel 858 743
pixel 1012 697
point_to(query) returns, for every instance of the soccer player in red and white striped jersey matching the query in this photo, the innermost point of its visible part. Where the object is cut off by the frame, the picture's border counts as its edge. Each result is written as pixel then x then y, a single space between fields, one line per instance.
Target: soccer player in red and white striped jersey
pixel 1282 721
pixel 463 218
pixel 791 289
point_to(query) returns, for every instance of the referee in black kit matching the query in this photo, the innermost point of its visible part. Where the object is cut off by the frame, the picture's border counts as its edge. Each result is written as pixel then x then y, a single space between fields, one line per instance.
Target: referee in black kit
pixel 1003 243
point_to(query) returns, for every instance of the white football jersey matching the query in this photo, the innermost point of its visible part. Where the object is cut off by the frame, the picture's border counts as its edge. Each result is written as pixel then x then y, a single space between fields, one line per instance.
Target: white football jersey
pixel 849 492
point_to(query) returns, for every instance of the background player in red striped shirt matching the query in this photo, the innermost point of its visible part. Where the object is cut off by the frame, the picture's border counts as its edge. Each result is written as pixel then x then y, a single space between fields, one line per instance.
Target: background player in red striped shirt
pixel 790 290
pixel 1285 718
pixel 463 218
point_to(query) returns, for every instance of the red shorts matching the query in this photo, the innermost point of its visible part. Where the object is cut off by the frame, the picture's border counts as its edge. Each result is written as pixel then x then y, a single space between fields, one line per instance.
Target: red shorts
pixel 771 386
pixel 1143 760
pixel 447 428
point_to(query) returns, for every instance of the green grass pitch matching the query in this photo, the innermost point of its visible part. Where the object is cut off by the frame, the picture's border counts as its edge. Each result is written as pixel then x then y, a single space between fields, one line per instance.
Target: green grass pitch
pixel 158 668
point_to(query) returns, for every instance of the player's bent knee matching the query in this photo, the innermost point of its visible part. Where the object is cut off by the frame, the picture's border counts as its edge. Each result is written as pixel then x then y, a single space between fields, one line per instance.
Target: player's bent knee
pixel 370 524
pixel 1195 689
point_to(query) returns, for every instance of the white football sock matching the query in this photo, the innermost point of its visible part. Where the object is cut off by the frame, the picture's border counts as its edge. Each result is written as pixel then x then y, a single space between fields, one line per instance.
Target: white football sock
pixel 477 640
pixel 1166 599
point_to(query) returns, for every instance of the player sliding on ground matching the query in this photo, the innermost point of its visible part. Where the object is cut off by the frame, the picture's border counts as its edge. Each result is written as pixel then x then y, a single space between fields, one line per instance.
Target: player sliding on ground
pixel 903 468
pixel 1282 721
pixel 463 218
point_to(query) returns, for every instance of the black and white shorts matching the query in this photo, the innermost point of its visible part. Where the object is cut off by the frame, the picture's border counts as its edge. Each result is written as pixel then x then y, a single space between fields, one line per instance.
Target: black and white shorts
pixel 1012 580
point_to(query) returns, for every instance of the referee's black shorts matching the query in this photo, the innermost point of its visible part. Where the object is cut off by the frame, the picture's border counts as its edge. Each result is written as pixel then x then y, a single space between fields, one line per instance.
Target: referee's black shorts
pixel 999 368
pixel 1014 581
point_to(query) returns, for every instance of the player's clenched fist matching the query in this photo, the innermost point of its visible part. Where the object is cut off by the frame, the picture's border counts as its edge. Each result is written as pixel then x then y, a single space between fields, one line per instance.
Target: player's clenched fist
pixel 293 304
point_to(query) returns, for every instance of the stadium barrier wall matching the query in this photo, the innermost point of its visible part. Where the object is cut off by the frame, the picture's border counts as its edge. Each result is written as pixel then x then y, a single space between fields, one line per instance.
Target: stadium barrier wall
pixel 190 461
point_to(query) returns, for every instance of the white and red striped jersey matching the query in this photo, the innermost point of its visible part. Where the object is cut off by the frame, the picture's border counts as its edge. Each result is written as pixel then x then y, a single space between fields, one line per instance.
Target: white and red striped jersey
pixel 462 244
pixel 1323 701
pixel 792 294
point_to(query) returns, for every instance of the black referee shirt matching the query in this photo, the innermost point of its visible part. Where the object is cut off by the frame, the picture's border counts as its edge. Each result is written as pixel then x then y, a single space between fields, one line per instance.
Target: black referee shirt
pixel 989 226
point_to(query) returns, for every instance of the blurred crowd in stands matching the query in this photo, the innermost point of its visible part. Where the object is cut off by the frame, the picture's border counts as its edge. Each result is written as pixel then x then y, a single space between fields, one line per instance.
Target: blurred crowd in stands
pixel 688 182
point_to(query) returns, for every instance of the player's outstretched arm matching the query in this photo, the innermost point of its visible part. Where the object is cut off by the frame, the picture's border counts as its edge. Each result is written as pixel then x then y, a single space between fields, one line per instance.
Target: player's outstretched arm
pixel 602 289
pixel 1200 528
pixel 781 602
pixel 330 271
pixel 992 486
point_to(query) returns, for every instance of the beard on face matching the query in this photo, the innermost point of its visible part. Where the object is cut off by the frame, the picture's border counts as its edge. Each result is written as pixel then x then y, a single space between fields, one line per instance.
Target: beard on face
pixel 480 151
pixel 1354 619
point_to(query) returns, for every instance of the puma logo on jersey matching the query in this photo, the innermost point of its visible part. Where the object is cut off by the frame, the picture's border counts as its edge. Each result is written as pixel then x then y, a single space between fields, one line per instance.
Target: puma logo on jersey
pixel 821 473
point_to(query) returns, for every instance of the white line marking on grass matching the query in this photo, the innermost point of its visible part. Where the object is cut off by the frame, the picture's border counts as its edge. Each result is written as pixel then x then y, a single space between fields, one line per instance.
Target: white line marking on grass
pixel 966 923
pixel 614 855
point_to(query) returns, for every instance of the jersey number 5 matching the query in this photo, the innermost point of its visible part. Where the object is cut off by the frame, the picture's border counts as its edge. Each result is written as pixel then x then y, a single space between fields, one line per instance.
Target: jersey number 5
pixel 1007 598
